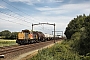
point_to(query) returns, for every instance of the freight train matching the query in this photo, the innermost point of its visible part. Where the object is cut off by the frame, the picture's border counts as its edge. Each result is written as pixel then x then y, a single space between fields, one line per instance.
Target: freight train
pixel 26 37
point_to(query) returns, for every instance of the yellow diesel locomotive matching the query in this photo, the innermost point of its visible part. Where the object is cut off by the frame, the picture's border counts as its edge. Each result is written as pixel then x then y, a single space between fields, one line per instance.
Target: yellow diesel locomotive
pixel 27 36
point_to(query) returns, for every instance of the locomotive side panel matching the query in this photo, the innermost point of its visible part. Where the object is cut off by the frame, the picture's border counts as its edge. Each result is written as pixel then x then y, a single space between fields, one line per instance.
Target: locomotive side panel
pixel 21 35
pixel 33 37
pixel 22 38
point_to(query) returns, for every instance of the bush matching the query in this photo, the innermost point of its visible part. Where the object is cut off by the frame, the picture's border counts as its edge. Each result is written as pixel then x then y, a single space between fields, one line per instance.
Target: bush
pixel 57 52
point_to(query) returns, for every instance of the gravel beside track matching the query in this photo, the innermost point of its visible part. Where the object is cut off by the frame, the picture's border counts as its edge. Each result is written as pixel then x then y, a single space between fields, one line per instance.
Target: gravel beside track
pixel 20 51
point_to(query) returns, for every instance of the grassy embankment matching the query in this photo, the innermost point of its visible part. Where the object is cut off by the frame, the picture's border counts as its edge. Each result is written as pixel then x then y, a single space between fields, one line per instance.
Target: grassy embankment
pixel 60 51
pixel 7 42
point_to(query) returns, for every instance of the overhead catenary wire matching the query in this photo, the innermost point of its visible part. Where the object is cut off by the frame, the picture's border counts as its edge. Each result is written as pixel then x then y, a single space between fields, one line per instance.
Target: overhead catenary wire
pixel 13 16
pixel 14 22
pixel 18 10
pixel 18 14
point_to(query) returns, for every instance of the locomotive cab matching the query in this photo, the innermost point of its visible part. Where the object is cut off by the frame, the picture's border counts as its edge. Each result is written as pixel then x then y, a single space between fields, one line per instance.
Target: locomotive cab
pixel 23 37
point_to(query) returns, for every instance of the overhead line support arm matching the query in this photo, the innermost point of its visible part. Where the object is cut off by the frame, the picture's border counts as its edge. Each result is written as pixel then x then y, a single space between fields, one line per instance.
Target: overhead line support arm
pixel 48 24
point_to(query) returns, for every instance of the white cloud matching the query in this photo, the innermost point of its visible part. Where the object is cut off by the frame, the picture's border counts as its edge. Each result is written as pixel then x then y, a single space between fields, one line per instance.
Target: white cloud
pixel 31 2
pixel 19 0
pixel 76 6
pixel 2 7
pixel 55 0
pixel 12 23
pixel 60 22
pixel 48 10
pixel 65 8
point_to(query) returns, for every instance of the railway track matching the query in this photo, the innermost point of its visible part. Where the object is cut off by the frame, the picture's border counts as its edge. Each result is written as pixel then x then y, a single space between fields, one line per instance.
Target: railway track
pixel 9 52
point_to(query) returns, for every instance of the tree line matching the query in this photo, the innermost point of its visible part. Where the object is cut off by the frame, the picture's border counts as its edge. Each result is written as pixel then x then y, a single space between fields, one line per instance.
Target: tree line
pixel 78 30
pixel 6 34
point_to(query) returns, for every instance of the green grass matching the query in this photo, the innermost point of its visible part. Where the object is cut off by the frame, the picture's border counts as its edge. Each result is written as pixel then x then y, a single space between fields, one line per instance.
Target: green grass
pixel 7 42
pixel 60 51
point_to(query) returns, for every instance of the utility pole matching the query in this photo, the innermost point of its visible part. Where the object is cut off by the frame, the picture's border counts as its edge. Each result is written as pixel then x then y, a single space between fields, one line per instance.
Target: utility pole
pixel 48 24
pixel 54 33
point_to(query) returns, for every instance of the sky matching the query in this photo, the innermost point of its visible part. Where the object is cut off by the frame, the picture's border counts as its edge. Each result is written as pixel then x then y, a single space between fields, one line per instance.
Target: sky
pixel 17 15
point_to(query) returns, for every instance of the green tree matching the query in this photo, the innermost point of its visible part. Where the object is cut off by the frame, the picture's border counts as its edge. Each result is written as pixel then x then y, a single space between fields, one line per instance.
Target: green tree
pixel 6 33
pixel 78 31
pixel 85 37
pixel 0 33
pixel 74 26
pixel 13 35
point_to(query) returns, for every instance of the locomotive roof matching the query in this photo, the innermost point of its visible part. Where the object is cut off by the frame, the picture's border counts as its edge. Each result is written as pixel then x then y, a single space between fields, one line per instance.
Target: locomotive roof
pixel 25 31
pixel 31 31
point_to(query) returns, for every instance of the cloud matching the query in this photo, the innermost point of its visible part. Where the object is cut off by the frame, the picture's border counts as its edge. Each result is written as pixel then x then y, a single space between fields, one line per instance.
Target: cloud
pixel 36 1
pixel 55 0
pixel 60 15
pixel 31 2
pixel 15 24
pixel 63 9
pixel 2 7
pixel 75 6
pixel 49 10
pixel 12 23
pixel 60 21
